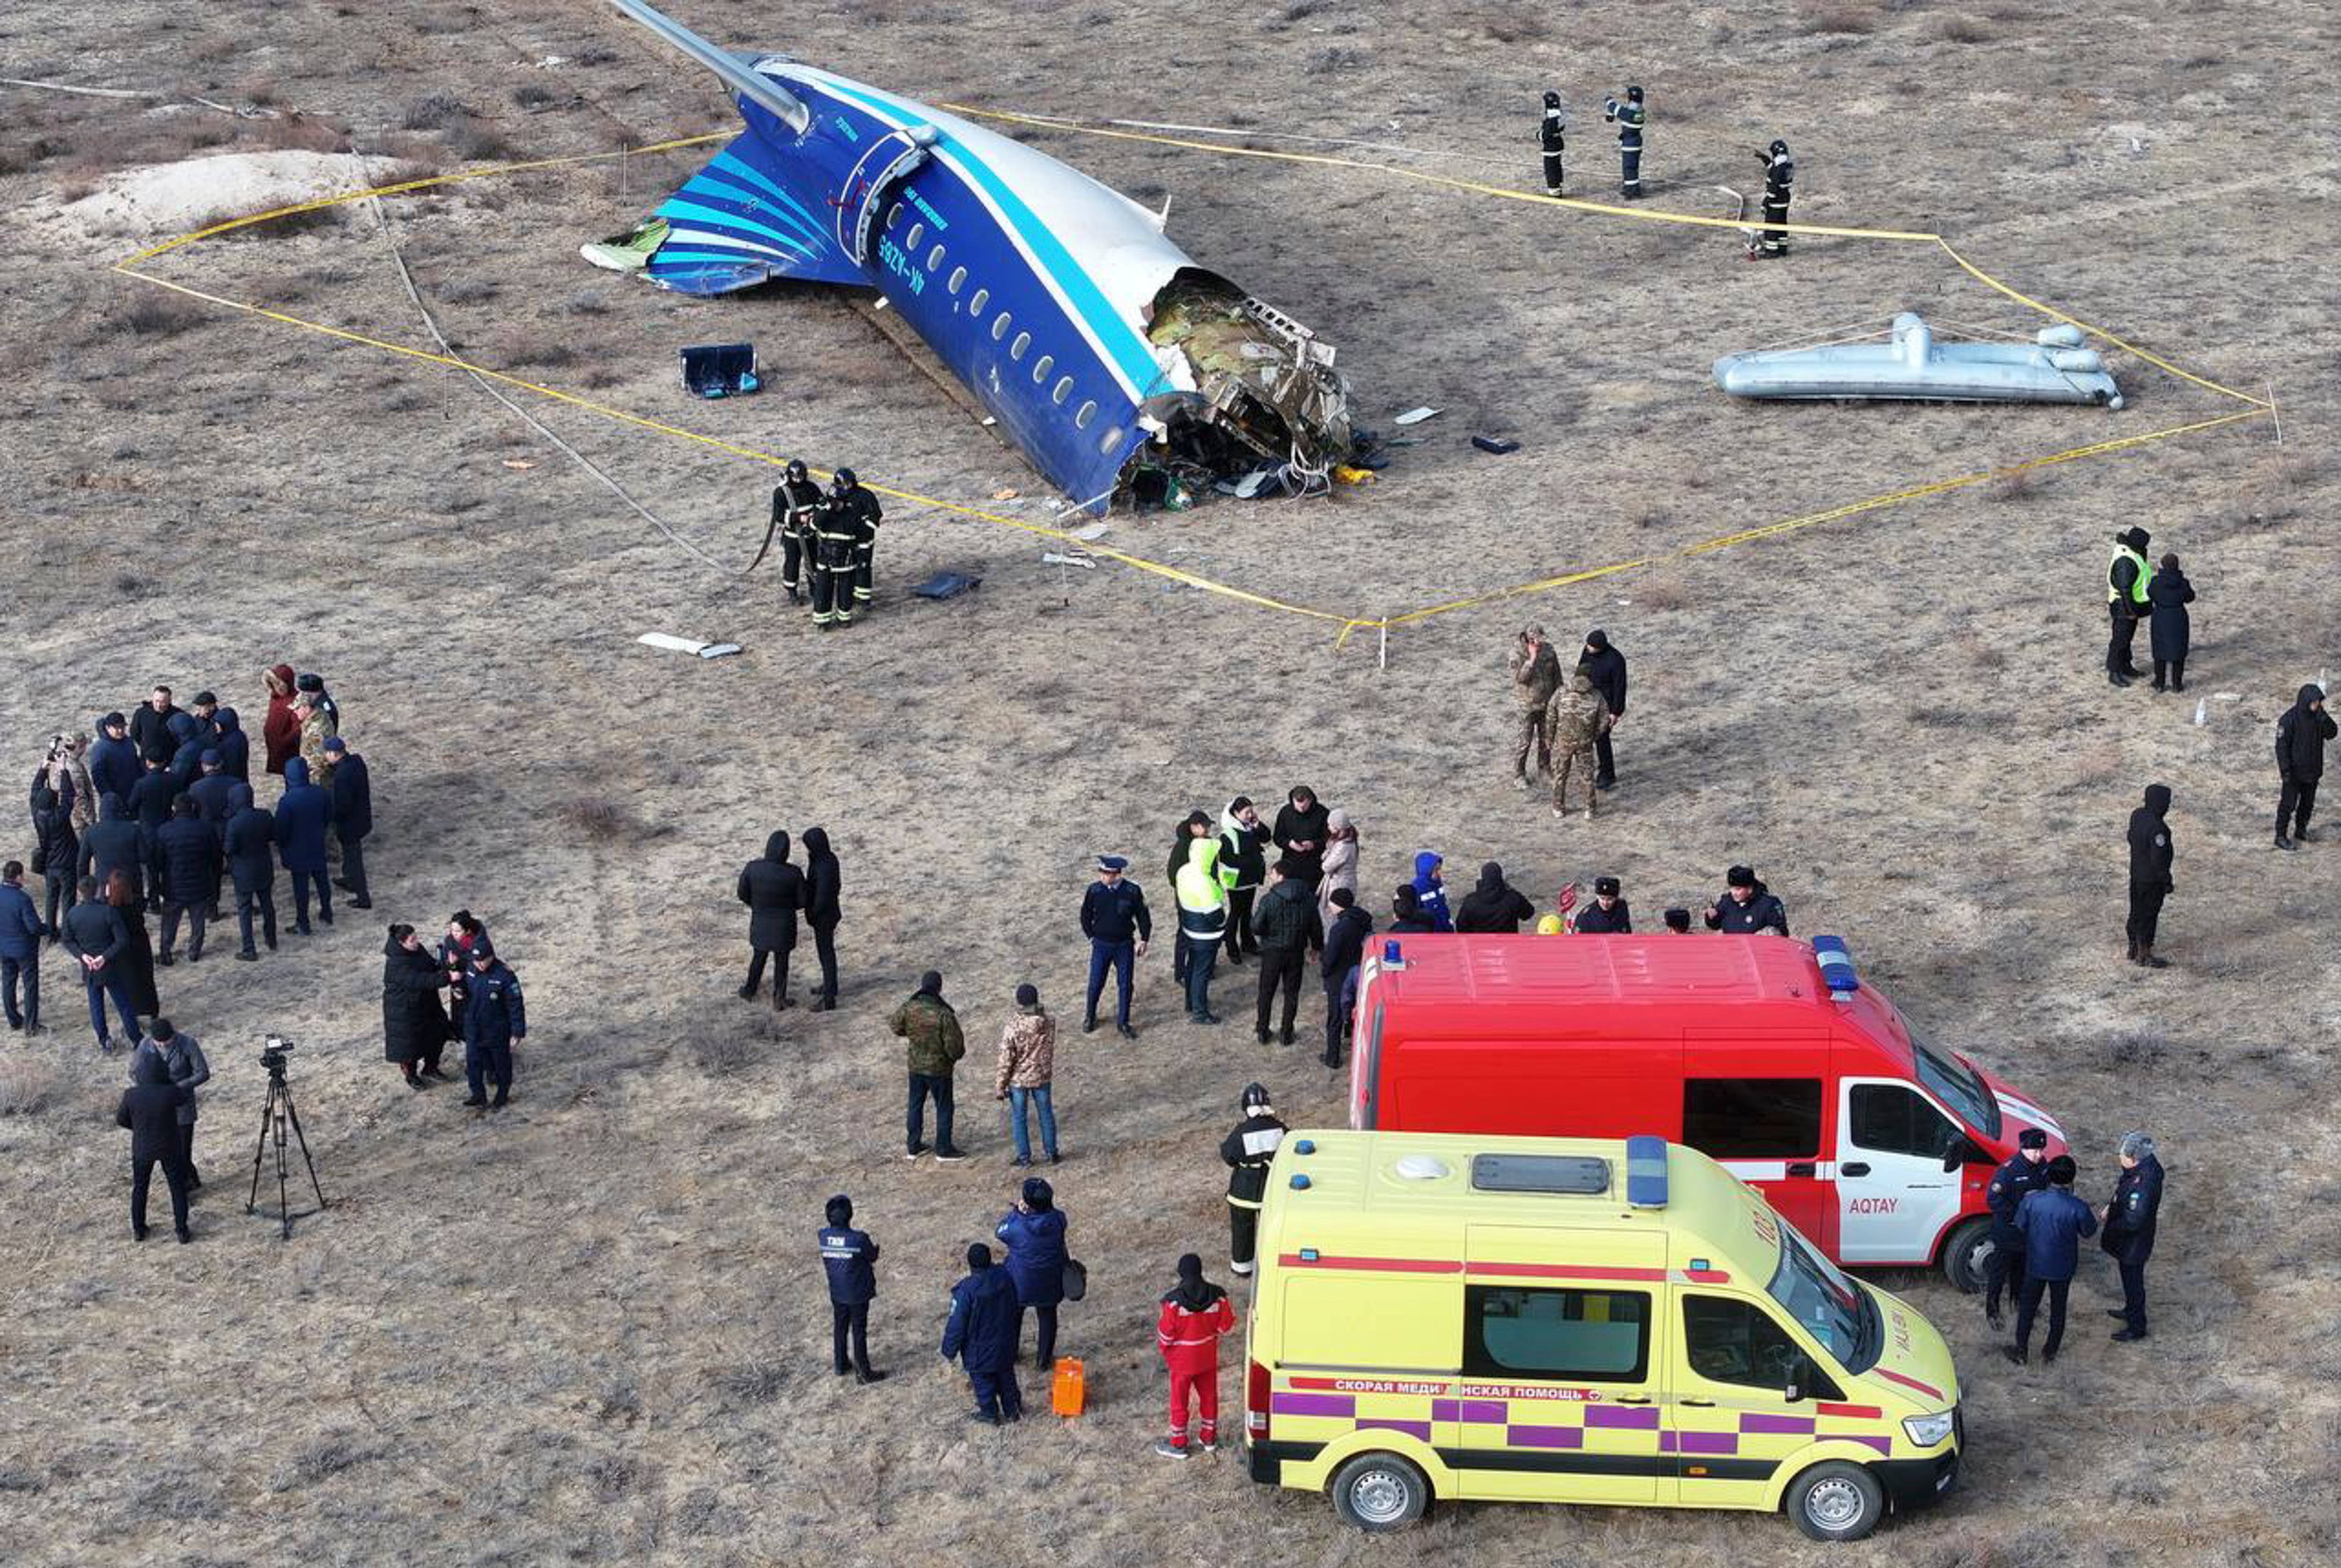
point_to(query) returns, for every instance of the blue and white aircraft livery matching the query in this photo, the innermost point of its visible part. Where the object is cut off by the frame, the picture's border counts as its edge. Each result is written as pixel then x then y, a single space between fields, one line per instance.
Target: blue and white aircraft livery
pixel 1113 361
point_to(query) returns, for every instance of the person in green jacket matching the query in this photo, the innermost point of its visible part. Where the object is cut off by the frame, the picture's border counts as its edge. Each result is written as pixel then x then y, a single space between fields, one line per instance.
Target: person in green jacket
pixel 928 1023
pixel 1203 921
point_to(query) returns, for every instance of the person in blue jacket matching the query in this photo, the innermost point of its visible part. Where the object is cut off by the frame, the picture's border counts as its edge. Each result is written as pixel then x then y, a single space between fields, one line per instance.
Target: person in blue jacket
pixel 301 818
pixel 1034 1233
pixel 234 746
pixel 21 931
pixel 848 1255
pixel 246 840
pixel 113 766
pixel 2054 1222
pixel 353 794
pixel 981 1336
pixel 1431 891
pixel 187 755
pixel 495 1019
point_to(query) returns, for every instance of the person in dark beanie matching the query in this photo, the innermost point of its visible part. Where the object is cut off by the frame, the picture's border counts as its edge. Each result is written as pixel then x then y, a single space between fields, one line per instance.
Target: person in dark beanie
pixel 2168 594
pixel 20 950
pixel 2127 579
pixel 1345 950
pixel 97 937
pixel 182 1059
pixel 1243 867
pixel 1609 914
pixel 1747 906
pixel 2150 854
pixel 850 1259
pixel 980 1334
pixel 2300 737
pixel 1495 905
pixel 2024 1174
pixel 246 841
pixel 190 855
pixel 495 1019
pixel 1034 1233
pixel 352 818
pixel 773 891
pixel 1247 1152
pixel 1027 1060
pixel 1195 1316
pixel 414 1024
pixel 1114 918
pixel 935 1046
pixel 1678 922
pixel 2054 1222
pixel 1406 912
pixel 1286 920
pixel 2130 1229
pixel 150 1109
pixel 1606 667
pixel 302 813
pixel 823 888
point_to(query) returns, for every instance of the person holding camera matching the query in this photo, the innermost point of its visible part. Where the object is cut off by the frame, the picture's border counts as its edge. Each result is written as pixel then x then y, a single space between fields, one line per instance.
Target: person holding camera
pixel 1629 117
pixel 495 1021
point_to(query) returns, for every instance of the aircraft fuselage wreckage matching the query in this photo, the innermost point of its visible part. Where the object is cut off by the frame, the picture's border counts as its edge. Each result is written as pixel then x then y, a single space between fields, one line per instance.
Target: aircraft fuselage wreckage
pixel 1104 352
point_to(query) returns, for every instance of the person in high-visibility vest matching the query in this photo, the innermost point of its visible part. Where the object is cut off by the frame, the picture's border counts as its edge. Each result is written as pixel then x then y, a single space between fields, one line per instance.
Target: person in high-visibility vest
pixel 2126 577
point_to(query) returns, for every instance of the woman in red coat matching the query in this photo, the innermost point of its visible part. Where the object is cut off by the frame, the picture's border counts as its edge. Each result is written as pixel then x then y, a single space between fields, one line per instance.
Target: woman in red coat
pixel 280 733
pixel 1195 1314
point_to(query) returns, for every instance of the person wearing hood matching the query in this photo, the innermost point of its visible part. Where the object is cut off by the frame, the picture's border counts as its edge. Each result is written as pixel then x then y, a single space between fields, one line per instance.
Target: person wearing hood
pixel 187 756
pixel 2169 593
pixel 413 1023
pixel 1034 1233
pixel 1243 867
pixel 1290 931
pixel 1339 865
pixel 112 844
pixel 185 1064
pixel 190 855
pixel 300 817
pixel 1747 906
pixel 2127 579
pixel 20 949
pixel 56 854
pixel 981 1333
pixel 2128 1234
pixel 1202 920
pixel 1247 1152
pixel 1609 914
pixel 213 793
pixel 1579 716
pixel 114 768
pixel 1495 905
pixel 1195 1317
pixel 150 1108
pixel 1430 890
pixel 1605 667
pixel 97 937
pixel 246 842
pixel 773 891
pixel 353 794
pixel 150 727
pixel 935 1045
pixel 1406 918
pixel 150 807
pixel 495 1019
pixel 279 732
pixel 1115 920
pixel 848 1257
pixel 2300 737
pixel 2150 854
pixel 1535 672
pixel 1300 827
pixel 234 746
pixel 1028 1061
pixel 1345 950
pixel 822 911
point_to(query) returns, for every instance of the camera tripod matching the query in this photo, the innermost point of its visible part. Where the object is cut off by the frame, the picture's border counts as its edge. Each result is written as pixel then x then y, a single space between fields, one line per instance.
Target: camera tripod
pixel 274 1117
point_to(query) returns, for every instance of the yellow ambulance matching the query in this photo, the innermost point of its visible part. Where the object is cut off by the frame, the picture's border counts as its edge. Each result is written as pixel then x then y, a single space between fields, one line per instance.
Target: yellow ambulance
pixel 1575 1321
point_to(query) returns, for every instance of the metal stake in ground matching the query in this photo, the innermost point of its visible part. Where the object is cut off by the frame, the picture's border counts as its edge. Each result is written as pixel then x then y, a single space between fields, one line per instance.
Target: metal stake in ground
pixel 275 1116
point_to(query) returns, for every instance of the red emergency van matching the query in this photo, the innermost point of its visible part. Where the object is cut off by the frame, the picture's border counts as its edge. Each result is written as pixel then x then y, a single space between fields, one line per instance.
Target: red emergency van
pixel 1874 1143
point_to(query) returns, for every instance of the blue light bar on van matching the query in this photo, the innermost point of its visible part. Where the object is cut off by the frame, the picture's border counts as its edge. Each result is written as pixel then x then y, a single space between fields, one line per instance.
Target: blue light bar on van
pixel 1390 955
pixel 1646 1172
pixel 1837 967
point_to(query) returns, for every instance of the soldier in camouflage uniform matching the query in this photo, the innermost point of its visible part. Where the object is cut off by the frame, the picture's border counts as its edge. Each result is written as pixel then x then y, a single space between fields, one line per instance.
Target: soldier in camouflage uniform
pixel 1577 716
pixel 1536 676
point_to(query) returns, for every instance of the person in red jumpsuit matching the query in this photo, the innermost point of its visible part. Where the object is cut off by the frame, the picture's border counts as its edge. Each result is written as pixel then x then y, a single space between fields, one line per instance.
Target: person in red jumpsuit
pixel 1195 1314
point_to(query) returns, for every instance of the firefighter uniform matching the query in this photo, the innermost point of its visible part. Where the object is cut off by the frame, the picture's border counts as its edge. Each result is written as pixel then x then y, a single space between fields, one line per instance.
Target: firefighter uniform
pixel 859 515
pixel 1247 1151
pixel 833 537
pixel 1554 138
pixel 1631 117
pixel 1779 174
pixel 796 503
pixel 2021 1175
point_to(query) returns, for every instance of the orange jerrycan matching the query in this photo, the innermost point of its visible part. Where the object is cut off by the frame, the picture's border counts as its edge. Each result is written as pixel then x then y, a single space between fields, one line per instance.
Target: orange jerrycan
pixel 1069 1389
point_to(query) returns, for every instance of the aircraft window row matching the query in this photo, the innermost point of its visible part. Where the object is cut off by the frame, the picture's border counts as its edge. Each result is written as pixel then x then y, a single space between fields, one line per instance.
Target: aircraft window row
pixel 959 276
pixel 977 301
pixel 1000 327
pixel 1109 441
pixel 935 258
pixel 1082 418
pixel 1042 367
pixel 1064 390
pixel 1016 350
pixel 1088 412
pixel 894 214
pixel 911 240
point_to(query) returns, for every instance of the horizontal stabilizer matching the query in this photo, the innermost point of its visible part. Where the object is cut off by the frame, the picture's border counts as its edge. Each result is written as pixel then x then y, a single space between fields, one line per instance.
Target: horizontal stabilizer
pixel 734 224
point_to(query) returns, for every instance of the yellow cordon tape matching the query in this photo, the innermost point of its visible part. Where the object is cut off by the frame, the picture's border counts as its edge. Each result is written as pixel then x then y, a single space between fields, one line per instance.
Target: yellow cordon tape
pixel 128 267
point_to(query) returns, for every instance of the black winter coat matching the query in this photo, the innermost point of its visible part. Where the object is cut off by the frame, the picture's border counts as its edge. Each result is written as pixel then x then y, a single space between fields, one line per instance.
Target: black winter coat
pixel 773 891
pixel 822 883
pixel 2130 1217
pixel 249 841
pixel 1285 918
pixel 2169 593
pixel 353 798
pixel 414 1024
pixel 113 842
pixel 191 860
pixel 1345 944
pixel 1593 921
pixel 1308 827
pixel 150 802
pixel 55 848
pixel 1495 905
pixel 214 798
pixel 2301 735
pixel 1607 670
pixel 2150 849
pixel 151 732
pixel 94 928
pixel 151 1111
pixel 1762 912
pixel 114 768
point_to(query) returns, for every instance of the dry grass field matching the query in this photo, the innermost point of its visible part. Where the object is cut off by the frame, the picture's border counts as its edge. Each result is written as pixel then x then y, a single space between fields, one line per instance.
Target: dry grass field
pixel 589 1330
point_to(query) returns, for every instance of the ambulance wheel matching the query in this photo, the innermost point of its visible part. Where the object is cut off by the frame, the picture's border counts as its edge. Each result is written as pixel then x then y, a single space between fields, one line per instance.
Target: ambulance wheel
pixel 1380 1492
pixel 1837 1501
pixel 1964 1254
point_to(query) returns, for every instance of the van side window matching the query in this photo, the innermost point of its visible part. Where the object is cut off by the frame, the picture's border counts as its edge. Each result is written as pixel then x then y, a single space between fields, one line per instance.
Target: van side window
pixel 1892 1119
pixel 1728 1341
pixel 1753 1118
pixel 1517 1331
